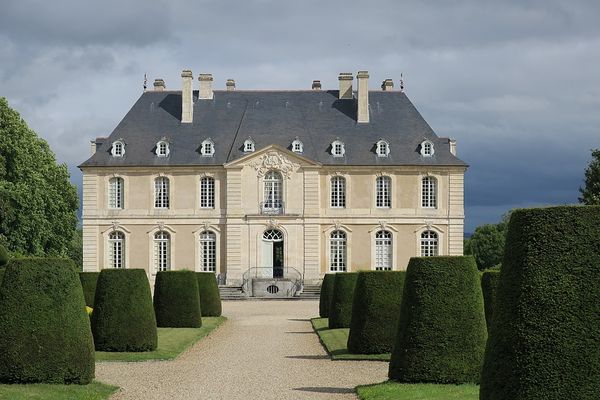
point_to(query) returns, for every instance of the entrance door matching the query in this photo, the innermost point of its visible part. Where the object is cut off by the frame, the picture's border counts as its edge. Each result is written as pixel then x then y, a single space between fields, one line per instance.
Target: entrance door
pixel 272 254
pixel 278 259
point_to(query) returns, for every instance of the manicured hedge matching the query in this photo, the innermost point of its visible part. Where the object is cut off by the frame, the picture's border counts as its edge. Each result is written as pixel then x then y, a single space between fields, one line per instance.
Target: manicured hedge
pixel 2 270
pixel 326 294
pixel 123 317
pixel 210 298
pixel 545 335
pixel 441 332
pixel 340 310
pixel 176 300
pixel 88 283
pixel 489 286
pixel 45 332
pixel 3 256
pixel 375 311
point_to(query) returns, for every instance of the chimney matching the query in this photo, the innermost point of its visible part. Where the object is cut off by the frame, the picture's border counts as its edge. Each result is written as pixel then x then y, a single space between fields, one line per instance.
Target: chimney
pixel 206 92
pixel 387 85
pixel 92 147
pixel 230 85
pixel 345 79
pixel 316 85
pixel 453 146
pixel 187 97
pixel 363 97
pixel 159 85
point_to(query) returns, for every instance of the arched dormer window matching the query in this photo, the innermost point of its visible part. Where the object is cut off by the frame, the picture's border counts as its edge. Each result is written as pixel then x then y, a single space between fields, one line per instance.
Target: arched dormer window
pixel 162 148
pixel 297 146
pixel 383 148
pixel 427 148
pixel 118 148
pixel 337 148
pixel 207 148
pixel 248 145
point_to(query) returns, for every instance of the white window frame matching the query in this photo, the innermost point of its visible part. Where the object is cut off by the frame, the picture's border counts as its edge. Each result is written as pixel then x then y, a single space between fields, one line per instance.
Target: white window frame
pixel 297 146
pixel 116 256
pixel 338 251
pixel 207 192
pixel 427 149
pixel 383 192
pixel 384 250
pixel 338 148
pixel 208 251
pixel 162 149
pixel 382 148
pixel 429 192
pixel 273 190
pixel 207 149
pixel 162 193
pixel 118 148
pixel 116 192
pixel 337 185
pixel 249 145
pixel 162 251
pixel 429 243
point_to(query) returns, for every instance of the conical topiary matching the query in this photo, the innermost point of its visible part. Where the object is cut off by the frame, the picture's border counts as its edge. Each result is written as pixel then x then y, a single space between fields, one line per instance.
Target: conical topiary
pixel 45 331
pixel 88 283
pixel 176 300
pixel 489 286
pixel 123 317
pixel 326 294
pixel 340 310
pixel 441 332
pixel 210 298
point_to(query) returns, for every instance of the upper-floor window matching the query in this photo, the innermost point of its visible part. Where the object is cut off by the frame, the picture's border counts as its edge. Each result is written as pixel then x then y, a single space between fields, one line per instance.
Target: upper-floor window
pixel 273 185
pixel 207 192
pixel 427 148
pixel 162 251
pixel 249 145
pixel 208 251
pixel 116 250
pixel 161 192
pixel 383 250
pixel 115 193
pixel 429 192
pixel 337 148
pixel 338 192
pixel 338 251
pixel 429 244
pixel 207 148
pixel 162 148
pixel 383 188
pixel 118 148
pixel 297 146
pixel 383 148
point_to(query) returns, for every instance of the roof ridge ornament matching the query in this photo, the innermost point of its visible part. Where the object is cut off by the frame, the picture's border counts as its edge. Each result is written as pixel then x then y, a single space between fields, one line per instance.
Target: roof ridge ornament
pixel 401 83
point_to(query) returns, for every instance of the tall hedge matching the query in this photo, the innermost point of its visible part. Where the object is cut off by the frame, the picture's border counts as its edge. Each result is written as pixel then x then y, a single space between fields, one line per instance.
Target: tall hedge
pixel 441 332
pixel 210 298
pixel 123 317
pixel 375 311
pixel 2 270
pixel 88 283
pixel 325 295
pixel 489 286
pixel 45 331
pixel 545 336
pixel 176 300
pixel 340 309
pixel 3 256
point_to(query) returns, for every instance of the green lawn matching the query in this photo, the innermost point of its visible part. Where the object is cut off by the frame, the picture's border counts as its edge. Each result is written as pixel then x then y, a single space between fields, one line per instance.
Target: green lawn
pixel 93 391
pixel 418 391
pixel 171 343
pixel 335 342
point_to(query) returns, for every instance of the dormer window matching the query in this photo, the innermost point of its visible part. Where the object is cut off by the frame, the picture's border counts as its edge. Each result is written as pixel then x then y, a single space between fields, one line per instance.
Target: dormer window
pixel 248 145
pixel 118 148
pixel 383 148
pixel 207 148
pixel 337 148
pixel 162 148
pixel 297 146
pixel 427 148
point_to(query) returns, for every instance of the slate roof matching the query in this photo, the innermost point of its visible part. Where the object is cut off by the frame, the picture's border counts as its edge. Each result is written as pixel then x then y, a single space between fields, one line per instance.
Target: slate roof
pixel 317 118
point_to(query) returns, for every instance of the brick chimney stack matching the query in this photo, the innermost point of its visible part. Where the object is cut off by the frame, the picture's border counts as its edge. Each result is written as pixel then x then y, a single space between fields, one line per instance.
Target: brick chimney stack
pixel 187 97
pixel 363 97
pixel 159 85
pixel 206 92
pixel 316 85
pixel 345 79
pixel 230 84
pixel 387 85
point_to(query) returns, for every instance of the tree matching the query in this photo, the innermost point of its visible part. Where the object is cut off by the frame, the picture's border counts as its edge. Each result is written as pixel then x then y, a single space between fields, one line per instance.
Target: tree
pixel 38 204
pixel 590 194
pixel 487 244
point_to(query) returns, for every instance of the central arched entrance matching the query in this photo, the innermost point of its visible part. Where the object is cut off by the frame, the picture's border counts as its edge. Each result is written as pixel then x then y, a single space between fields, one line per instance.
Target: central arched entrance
pixel 272 253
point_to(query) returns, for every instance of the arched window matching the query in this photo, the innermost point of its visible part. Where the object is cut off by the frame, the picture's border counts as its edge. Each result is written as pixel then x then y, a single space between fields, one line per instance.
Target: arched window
pixel 338 251
pixel 161 192
pixel 116 250
pixel 383 148
pixel 429 244
pixel 383 250
pixel 297 146
pixel 162 148
pixel 162 251
pixel 207 192
pixel 115 193
pixel 118 148
pixel 337 148
pixel 338 192
pixel 249 145
pixel 207 148
pixel 273 235
pixel 383 195
pixel 208 251
pixel 429 192
pixel 427 148
pixel 273 183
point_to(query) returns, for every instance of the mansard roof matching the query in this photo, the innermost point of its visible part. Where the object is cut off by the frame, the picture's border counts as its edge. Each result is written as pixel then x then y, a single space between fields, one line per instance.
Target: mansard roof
pixel 317 118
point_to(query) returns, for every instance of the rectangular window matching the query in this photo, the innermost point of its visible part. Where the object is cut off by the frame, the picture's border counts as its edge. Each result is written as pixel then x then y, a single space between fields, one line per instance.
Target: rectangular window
pixel 162 255
pixel 383 254
pixel 115 193
pixel 428 192
pixel 338 192
pixel 161 193
pixel 208 252
pixel 383 199
pixel 337 255
pixel 207 193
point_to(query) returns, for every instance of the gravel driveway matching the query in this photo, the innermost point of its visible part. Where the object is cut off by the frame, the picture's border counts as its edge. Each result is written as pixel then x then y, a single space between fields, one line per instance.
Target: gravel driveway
pixel 266 350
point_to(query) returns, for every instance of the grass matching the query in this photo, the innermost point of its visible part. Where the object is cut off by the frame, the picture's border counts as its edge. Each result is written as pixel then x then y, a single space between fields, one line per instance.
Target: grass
pixel 171 343
pixel 93 391
pixel 335 342
pixel 417 391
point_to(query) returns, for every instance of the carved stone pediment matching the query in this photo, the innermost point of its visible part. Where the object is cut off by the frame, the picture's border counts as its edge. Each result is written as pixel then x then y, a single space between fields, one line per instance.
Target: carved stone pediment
pixel 276 161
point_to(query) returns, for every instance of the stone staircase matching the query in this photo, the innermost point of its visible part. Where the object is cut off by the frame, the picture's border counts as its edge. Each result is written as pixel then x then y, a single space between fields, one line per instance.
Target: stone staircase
pixel 311 292
pixel 232 293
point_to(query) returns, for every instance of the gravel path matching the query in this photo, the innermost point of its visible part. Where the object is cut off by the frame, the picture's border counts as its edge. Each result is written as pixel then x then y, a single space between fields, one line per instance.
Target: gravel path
pixel 266 350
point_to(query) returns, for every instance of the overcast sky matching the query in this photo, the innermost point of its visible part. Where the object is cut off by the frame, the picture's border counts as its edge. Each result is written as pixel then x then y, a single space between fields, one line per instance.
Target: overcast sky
pixel 518 85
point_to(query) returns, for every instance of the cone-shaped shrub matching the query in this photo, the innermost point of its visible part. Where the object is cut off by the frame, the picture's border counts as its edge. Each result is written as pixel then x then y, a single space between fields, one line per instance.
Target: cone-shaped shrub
pixel 3 256
pixel 375 312
pixel 45 331
pixel 88 283
pixel 545 334
pixel 340 310
pixel 176 300
pixel 441 331
pixel 210 298
pixel 326 294
pixel 489 286
pixel 123 317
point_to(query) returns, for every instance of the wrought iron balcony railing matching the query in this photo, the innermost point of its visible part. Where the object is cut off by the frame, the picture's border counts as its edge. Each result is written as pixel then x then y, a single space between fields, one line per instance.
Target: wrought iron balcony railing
pixel 272 207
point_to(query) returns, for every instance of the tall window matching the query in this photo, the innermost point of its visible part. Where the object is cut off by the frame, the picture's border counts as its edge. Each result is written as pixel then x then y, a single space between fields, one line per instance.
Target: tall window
pixel 115 193
pixel 162 251
pixel 338 251
pixel 161 192
pixel 383 250
pixel 429 192
pixel 116 250
pixel 429 244
pixel 338 192
pixel 383 199
pixel 273 189
pixel 208 251
pixel 207 192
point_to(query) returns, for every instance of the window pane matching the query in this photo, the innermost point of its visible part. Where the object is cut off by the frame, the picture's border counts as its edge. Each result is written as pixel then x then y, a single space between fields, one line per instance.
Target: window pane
pixel 207 192
pixel 383 197
pixel 337 261
pixel 208 251
pixel 161 192
pixel 338 192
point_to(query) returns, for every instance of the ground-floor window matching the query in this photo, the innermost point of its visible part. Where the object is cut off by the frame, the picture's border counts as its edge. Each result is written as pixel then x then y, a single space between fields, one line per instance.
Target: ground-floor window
pixel 116 250
pixel 429 244
pixel 338 251
pixel 208 251
pixel 162 251
pixel 383 250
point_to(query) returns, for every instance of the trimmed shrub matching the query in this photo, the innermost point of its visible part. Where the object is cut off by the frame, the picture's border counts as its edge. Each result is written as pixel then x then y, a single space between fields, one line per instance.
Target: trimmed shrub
pixel 325 295
pixel 545 335
pixel 2 270
pixel 176 300
pixel 46 336
pixel 88 283
pixel 489 286
pixel 3 256
pixel 441 332
pixel 375 312
pixel 123 317
pixel 340 310
pixel 210 298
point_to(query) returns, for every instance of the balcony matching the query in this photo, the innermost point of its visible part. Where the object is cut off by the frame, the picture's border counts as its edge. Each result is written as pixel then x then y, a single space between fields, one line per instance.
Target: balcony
pixel 271 207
